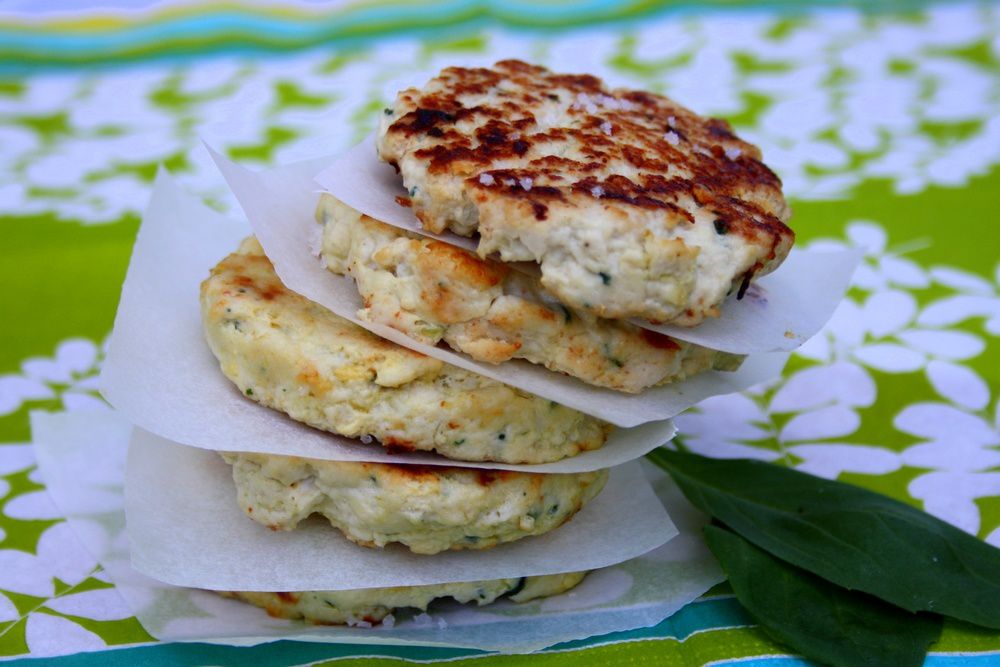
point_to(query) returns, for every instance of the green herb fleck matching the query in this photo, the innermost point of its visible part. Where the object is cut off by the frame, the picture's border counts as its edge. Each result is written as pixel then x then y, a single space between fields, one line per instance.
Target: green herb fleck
pixel 605 278
pixel 387 111
pixel 249 391
pixel 721 226
pixel 460 441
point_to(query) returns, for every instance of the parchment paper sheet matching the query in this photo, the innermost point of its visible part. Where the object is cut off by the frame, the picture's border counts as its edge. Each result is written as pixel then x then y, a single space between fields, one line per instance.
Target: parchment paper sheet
pixel 280 204
pixel 780 312
pixel 187 529
pixel 161 374
pixel 82 457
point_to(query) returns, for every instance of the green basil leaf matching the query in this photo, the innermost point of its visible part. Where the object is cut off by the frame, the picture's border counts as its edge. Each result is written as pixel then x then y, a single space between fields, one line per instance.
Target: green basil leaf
pixel 822 621
pixel 854 538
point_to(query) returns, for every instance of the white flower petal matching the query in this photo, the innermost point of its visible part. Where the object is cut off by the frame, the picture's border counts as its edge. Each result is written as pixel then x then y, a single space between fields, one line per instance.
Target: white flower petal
pixel 904 272
pixel 103 604
pixel 950 496
pixel 79 401
pixel 816 348
pixel 90 383
pixel 33 506
pixel 944 344
pixel 958 384
pixel 830 422
pixel 831 459
pixel 867 234
pixel 8 612
pixel 22 572
pixel 888 311
pixel 842 383
pixel 951 455
pixel 955 309
pixel 46 370
pixel 847 326
pixel 49 635
pixel 729 417
pixel 867 278
pixel 76 355
pixel 890 358
pixel 14 458
pixel 938 421
pixel 64 555
pixel 719 449
pixel 15 390
pixel 961 281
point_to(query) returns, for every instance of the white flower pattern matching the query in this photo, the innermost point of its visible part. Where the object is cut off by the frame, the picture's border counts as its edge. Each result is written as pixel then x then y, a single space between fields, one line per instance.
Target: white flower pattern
pixel 881 326
pixel 805 96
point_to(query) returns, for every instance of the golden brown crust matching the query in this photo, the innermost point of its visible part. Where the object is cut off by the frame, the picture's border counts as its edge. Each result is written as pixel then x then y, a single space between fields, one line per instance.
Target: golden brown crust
pixel 633 205
pixel 739 188
pixel 436 292
pixel 428 509
pixel 289 353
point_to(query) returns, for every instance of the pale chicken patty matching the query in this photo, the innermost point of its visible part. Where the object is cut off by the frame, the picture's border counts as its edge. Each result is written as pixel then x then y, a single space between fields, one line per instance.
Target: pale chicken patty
pixel 289 353
pixel 433 291
pixel 428 509
pixel 372 605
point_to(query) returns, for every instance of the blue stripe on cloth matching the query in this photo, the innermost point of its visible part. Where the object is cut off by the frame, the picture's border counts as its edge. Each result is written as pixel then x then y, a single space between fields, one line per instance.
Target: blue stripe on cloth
pixel 699 616
pixel 224 30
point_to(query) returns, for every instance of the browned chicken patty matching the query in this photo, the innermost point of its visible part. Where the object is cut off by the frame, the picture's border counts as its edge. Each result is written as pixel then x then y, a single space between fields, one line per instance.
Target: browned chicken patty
pixel 632 205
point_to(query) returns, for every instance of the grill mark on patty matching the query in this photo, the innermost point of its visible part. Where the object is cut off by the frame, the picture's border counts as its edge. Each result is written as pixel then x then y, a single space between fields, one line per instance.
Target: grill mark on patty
pixel 703 164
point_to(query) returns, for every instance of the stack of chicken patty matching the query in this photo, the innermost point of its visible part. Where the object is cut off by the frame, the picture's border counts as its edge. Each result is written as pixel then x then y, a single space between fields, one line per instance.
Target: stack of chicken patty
pixel 594 210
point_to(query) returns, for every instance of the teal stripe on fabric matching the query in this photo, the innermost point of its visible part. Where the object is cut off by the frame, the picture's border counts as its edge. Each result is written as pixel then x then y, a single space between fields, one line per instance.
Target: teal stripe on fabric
pixel 227 31
pixel 699 616
pixel 980 660
pixel 275 654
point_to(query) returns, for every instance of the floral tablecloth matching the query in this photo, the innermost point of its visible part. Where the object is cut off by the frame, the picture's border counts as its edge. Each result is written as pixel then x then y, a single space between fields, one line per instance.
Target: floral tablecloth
pixel 884 124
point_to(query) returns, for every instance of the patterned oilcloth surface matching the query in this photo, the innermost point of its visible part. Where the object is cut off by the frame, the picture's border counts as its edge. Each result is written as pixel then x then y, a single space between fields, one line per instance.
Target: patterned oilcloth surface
pixel 884 126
